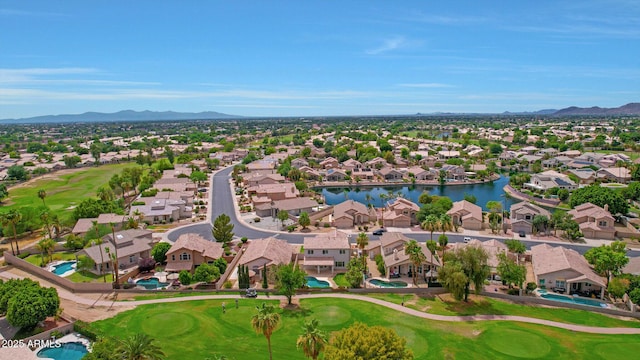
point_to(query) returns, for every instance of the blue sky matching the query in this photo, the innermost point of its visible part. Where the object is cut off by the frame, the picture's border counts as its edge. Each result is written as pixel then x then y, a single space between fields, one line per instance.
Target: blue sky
pixel 306 58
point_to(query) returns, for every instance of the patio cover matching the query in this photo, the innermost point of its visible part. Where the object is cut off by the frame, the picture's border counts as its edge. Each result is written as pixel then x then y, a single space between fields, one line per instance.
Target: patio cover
pixel 179 266
pixel 318 262
pixel 586 278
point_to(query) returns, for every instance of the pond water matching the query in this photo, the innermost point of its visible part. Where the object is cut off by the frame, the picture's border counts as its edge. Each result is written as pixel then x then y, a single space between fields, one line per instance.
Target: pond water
pixel 484 192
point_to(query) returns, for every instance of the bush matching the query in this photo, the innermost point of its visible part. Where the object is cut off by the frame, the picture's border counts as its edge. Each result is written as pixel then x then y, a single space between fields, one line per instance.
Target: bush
pixel 149 193
pixel 531 286
pixel 513 292
pixel 291 228
pixel 327 225
pixel 184 277
pixel 256 219
pixel 380 264
pixel 138 203
pixel 227 284
pixel 146 264
pixel 244 239
pixel 82 328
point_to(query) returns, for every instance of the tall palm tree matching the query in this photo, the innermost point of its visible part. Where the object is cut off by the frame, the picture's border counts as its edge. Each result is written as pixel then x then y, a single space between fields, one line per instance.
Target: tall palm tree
pixel 57 226
pixel 114 257
pixel 45 216
pixel 13 218
pixel 265 322
pixel 430 224
pixel 312 341
pixel 140 347
pixel 416 256
pixel 42 194
pixel 445 223
pixel 363 240
pixel 46 247
pixel 433 247
pixel 98 242
pixel 367 197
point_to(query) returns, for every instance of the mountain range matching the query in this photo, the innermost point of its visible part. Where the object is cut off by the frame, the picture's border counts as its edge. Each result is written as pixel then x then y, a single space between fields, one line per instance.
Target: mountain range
pixel 130 115
pixel 125 115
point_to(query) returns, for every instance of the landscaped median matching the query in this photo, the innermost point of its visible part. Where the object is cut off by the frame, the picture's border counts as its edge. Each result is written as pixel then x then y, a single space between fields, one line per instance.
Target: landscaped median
pixel 197 329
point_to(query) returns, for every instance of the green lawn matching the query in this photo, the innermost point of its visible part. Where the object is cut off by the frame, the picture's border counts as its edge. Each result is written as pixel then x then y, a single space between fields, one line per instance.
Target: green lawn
pixel 488 306
pixel 63 191
pixel 341 281
pixel 86 276
pixel 198 329
pixel 36 259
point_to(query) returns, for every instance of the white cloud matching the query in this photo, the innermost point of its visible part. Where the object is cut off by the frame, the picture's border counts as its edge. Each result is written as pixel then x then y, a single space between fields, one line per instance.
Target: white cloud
pixel 394 43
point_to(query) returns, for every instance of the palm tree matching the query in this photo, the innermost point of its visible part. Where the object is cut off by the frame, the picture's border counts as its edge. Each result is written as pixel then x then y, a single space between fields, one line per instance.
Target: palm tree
pixel 114 257
pixel 13 218
pixel 313 340
pixel 430 224
pixel 57 226
pixel 445 223
pixel 45 216
pixel 98 242
pixel 42 194
pixel 105 193
pixel 46 246
pixel 443 241
pixel 367 197
pixel 363 240
pixel 265 323
pixel 432 246
pixel 140 347
pixel 417 257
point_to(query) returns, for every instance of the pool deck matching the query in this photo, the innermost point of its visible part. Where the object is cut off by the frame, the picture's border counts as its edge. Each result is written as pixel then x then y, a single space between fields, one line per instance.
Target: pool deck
pixel 53 264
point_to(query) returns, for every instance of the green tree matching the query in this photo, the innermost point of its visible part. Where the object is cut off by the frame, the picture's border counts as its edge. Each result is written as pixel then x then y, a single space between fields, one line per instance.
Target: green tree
pixel 540 223
pixel 198 177
pixel 443 241
pixel 206 273
pixel 431 224
pixel 85 263
pixel 283 215
pixel 416 256
pixel 222 229
pixel 517 247
pixel 510 272
pixel 359 341
pixel 470 261
pixel 3 191
pixel 46 247
pixel 608 260
pixel 433 247
pixel 140 347
pixel 312 341
pixel 618 287
pixel 42 193
pixel 304 220
pixel 289 278
pixel 31 305
pixel 265 322
pixel 159 252
pixel 221 264
pixel 17 172
pixel 13 217
pixel 354 273
pixel 600 196
pixel 184 277
pixel 362 241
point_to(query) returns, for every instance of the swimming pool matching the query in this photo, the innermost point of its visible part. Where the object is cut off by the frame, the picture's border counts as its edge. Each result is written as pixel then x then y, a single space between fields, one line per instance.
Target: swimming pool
pixel 64 268
pixel 151 283
pixel 66 351
pixel 312 282
pixel 388 284
pixel 572 299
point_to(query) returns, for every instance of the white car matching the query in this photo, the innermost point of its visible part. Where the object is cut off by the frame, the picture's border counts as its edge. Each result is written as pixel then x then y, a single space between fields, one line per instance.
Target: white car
pixel 466 239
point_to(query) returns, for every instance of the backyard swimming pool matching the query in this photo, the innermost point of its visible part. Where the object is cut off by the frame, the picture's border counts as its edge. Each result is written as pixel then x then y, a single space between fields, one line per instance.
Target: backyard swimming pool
pixel 152 283
pixel 388 284
pixel 573 299
pixel 64 268
pixel 66 351
pixel 312 282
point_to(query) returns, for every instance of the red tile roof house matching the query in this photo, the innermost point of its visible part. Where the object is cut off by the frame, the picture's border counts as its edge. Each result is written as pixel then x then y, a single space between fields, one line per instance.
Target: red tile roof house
pixel 595 222
pixel 391 247
pixel 327 251
pixel 190 251
pixel 466 214
pixel 131 246
pixel 351 213
pixel 561 269
pixel 401 213
pixel 270 252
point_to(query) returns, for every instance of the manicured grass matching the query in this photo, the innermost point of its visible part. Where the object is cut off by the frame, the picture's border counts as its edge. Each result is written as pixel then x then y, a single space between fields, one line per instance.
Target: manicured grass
pixel 160 295
pixel 487 306
pixel 199 329
pixel 36 259
pixel 64 190
pixel 341 281
pixel 86 276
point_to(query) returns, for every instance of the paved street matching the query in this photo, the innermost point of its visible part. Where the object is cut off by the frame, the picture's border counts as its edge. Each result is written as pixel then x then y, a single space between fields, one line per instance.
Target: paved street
pixel 222 202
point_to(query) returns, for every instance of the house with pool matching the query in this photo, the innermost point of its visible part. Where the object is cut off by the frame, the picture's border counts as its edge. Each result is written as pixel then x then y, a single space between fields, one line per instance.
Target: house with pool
pixel 397 263
pixel 269 252
pixel 565 271
pixel 190 251
pixel 130 246
pixel 330 251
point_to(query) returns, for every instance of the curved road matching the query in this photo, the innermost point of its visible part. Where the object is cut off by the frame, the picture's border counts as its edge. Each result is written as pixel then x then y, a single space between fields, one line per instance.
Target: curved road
pixel 222 202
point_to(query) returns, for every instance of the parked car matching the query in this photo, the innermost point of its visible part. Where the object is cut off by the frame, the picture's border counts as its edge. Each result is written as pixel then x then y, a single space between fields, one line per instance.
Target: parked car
pixel 379 231
pixel 521 234
pixel 251 293
pixel 466 239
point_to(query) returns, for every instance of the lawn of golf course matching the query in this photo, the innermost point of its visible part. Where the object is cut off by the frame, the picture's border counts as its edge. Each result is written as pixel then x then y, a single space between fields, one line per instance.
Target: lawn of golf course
pixel 64 189
pixel 198 329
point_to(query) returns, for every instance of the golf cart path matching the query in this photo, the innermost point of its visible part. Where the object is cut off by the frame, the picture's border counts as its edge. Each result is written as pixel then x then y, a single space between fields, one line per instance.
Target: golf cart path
pixel 396 307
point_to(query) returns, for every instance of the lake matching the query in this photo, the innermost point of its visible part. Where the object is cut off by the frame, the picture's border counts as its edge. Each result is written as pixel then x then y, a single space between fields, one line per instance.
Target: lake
pixel 483 192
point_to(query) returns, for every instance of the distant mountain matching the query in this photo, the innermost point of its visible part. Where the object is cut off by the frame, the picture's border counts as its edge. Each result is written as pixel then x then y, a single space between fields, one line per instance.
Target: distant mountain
pixel 539 112
pixel 125 115
pixel 629 109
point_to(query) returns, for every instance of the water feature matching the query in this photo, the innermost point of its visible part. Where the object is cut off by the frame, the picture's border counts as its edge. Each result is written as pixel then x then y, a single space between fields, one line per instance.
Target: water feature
pixel 64 268
pixel 388 284
pixel 151 283
pixel 312 282
pixel 66 351
pixel 572 299
pixel 484 192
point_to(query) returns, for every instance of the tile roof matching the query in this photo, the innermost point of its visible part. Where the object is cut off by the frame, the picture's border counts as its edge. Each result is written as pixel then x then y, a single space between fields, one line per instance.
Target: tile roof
pixel 548 259
pixel 195 242
pixel 277 251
